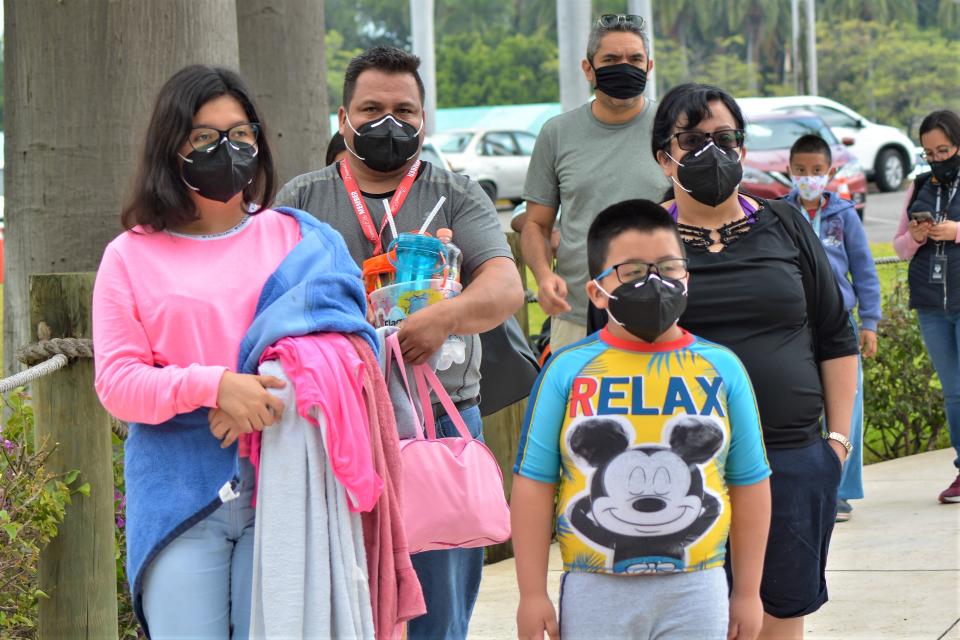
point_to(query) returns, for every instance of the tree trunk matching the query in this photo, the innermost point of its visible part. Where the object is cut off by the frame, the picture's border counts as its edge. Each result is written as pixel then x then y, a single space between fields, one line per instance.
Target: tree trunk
pixel 283 58
pixel 80 80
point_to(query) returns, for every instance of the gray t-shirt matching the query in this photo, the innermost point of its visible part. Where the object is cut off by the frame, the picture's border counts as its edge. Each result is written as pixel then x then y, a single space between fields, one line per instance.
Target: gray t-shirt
pixel 584 166
pixel 467 211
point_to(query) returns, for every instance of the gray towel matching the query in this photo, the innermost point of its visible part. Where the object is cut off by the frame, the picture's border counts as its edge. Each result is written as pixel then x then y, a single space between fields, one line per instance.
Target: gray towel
pixel 406 420
pixel 309 563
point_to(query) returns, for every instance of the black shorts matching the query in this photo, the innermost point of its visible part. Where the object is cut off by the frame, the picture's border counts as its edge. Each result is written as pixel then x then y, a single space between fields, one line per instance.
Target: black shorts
pixel 803 491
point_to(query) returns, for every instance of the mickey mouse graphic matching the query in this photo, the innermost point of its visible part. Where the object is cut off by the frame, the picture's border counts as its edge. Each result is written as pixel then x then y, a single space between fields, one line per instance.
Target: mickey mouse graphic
pixel 646 503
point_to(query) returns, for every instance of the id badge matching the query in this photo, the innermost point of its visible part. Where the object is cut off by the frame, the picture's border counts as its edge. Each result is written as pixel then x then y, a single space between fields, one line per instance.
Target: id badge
pixel 938 270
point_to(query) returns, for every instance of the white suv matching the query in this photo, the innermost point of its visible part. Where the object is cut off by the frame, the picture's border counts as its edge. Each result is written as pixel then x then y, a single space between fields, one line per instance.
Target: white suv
pixel 885 153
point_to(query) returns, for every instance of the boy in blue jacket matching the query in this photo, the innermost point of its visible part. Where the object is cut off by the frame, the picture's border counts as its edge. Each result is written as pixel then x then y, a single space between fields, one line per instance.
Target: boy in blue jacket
pixel 836 223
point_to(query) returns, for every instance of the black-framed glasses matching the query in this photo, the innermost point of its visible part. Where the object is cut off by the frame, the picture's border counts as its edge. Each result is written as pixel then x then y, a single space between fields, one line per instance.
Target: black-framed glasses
pixel 241 135
pixel 940 154
pixel 608 20
pixel 634 270
pixel 695 140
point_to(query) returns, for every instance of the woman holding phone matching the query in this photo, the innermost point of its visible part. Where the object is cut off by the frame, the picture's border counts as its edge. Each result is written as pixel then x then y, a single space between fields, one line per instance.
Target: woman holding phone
pixel 928 237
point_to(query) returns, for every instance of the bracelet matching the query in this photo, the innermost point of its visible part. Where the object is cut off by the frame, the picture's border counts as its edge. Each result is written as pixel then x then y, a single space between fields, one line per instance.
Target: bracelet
pixel 842 439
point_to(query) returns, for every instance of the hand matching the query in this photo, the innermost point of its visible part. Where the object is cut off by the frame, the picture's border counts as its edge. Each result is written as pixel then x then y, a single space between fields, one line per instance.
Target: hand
pixel 245 399
pixel 746 617
pixel 422 334
pixel 552 295
pixel 868 343
pixel 919 230
pixel 946 231
pixel 224 428
pixel 840 450
pixel 536 615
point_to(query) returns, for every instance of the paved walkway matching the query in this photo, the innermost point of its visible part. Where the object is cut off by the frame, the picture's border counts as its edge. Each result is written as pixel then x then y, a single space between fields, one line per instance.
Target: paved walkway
pixel 894 568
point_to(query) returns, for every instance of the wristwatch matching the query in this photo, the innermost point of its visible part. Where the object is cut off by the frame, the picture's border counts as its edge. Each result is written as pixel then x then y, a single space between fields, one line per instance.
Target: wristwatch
pixel 842 439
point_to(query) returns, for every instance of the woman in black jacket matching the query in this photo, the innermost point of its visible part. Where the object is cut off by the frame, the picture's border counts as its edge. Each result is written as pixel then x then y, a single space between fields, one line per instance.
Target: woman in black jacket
pixel 928 236
pixel 762 286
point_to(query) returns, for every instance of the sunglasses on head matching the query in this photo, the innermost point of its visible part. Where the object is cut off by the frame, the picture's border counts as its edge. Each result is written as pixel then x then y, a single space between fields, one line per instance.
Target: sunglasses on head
pixel 608 20
pixel 696 140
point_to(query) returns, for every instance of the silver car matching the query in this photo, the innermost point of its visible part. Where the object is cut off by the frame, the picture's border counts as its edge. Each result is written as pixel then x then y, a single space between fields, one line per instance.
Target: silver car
pixel 496 158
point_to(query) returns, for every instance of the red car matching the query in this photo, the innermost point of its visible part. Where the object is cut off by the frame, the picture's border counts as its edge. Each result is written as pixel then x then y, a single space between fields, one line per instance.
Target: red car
pixel 766 166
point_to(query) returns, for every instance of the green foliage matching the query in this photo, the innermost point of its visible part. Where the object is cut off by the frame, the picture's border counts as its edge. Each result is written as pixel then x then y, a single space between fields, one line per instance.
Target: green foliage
pixel 32 506
pixel 893 73
pixel 496 68
pixel 903 400
pixel 127 620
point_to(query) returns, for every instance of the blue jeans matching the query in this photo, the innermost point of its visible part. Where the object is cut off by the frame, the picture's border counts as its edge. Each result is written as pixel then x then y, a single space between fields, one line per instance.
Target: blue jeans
pixel 941 335
pixel 451 578
pixel 851 481
pixel 199 585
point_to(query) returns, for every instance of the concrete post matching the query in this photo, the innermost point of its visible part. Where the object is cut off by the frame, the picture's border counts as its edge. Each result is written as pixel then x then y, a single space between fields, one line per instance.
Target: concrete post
pixel 573 28
pixel 811 49
pixel 644 9
pixel 421 26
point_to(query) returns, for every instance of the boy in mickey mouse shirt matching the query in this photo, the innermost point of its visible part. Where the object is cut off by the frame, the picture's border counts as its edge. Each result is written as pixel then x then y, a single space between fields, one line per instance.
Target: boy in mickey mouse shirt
pixel 655 437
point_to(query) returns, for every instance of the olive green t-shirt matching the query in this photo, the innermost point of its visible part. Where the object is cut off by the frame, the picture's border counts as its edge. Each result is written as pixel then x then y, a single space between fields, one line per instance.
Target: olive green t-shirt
pixel 583 166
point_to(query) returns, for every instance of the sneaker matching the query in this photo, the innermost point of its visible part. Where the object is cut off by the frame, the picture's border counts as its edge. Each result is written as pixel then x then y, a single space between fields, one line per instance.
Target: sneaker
pixel 844 510
pixel 951 493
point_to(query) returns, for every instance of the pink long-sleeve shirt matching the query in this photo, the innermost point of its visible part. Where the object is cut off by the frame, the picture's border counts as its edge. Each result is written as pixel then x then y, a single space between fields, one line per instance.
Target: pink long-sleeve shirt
pixel 169 312
pixel 903 243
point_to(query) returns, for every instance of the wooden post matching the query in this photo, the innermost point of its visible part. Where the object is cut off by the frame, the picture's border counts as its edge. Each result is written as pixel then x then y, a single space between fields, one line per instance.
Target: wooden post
pixel 77 569
pixel 501 430
pixel 514 239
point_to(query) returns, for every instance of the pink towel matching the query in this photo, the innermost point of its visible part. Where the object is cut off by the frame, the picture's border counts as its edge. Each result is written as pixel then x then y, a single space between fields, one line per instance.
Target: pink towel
pixel 395 591
pixel 328 373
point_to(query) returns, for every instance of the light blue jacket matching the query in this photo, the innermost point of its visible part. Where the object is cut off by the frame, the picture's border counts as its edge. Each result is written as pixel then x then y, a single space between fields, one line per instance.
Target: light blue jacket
pixel 176 473
pixel 845 242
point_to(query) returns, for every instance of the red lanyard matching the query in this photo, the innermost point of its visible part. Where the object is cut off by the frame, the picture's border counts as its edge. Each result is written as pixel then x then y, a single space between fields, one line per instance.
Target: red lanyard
pixel 360 207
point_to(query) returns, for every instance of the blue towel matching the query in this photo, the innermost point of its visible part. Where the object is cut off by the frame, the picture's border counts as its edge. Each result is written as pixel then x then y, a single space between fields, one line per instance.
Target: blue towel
pixel 316 288
pixel 176 473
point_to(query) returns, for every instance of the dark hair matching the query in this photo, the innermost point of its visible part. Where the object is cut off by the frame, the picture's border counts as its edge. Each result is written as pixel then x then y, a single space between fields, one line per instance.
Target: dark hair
pixel 335 147
pixel 598 31
pixel 637 215
pixel 947 121
pixel 692 101
pixel 160 198
pixel 386 59
pixel 811 143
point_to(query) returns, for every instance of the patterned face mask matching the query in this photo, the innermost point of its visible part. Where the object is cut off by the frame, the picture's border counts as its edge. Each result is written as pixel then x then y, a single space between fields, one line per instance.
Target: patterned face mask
pixel 810 187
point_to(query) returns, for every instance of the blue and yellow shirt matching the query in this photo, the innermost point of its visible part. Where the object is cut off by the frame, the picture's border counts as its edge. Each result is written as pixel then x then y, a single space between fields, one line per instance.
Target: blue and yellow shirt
pixel 644 439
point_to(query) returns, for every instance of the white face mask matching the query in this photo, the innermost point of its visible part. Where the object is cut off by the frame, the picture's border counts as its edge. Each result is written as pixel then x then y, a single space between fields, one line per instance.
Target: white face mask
pixel 810 187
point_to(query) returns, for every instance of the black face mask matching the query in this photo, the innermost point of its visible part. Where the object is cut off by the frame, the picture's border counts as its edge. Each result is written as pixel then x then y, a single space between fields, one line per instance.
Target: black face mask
pixel 386 144
pixel 710 175
pixel 648 307
pixel 946 171
pixel 622 81
pixel 221 172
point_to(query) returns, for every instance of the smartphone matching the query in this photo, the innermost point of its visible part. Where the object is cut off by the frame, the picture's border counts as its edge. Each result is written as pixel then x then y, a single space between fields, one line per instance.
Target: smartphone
pixel 922 216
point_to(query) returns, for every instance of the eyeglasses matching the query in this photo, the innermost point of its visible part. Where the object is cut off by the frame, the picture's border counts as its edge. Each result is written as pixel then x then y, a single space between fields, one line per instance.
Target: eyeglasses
pixel 940 153
pixel 241 135
pixel 696 140
pixel 634 270
pixel 608 20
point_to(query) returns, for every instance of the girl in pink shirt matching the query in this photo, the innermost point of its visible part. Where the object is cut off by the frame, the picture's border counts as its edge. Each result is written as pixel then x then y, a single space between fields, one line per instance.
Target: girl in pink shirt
pixel 175 294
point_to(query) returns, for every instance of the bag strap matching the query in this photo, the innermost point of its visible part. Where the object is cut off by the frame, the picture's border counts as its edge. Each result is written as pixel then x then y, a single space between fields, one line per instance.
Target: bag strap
pixel 394 353
pixel 918 184
pixel 426 380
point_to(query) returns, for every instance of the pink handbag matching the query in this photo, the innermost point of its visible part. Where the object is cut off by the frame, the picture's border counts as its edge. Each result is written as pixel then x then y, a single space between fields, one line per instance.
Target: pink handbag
pixel 452 487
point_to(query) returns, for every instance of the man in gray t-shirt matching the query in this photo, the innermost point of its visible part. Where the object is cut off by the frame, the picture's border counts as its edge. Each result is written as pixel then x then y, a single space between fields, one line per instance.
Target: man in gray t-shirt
pixel 381 120
pixel 586 160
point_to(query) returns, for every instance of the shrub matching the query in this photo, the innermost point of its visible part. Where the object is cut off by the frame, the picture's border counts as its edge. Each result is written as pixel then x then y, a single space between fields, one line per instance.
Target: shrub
pixel 903 400
pixel 32 505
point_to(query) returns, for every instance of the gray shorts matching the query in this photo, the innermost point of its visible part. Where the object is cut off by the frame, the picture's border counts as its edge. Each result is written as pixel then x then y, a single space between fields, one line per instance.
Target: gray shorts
pixel 677 606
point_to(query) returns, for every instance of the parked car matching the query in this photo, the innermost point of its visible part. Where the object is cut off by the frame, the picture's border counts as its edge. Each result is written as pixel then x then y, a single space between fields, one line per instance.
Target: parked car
pixel 884 152
pixel 766 165
pixel 497 159
pixel 432 154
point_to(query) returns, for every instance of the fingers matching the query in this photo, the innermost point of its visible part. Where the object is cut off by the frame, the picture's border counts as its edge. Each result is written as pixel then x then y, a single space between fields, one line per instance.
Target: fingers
pixel 275 404
pixel 553 630
pixel 271 382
